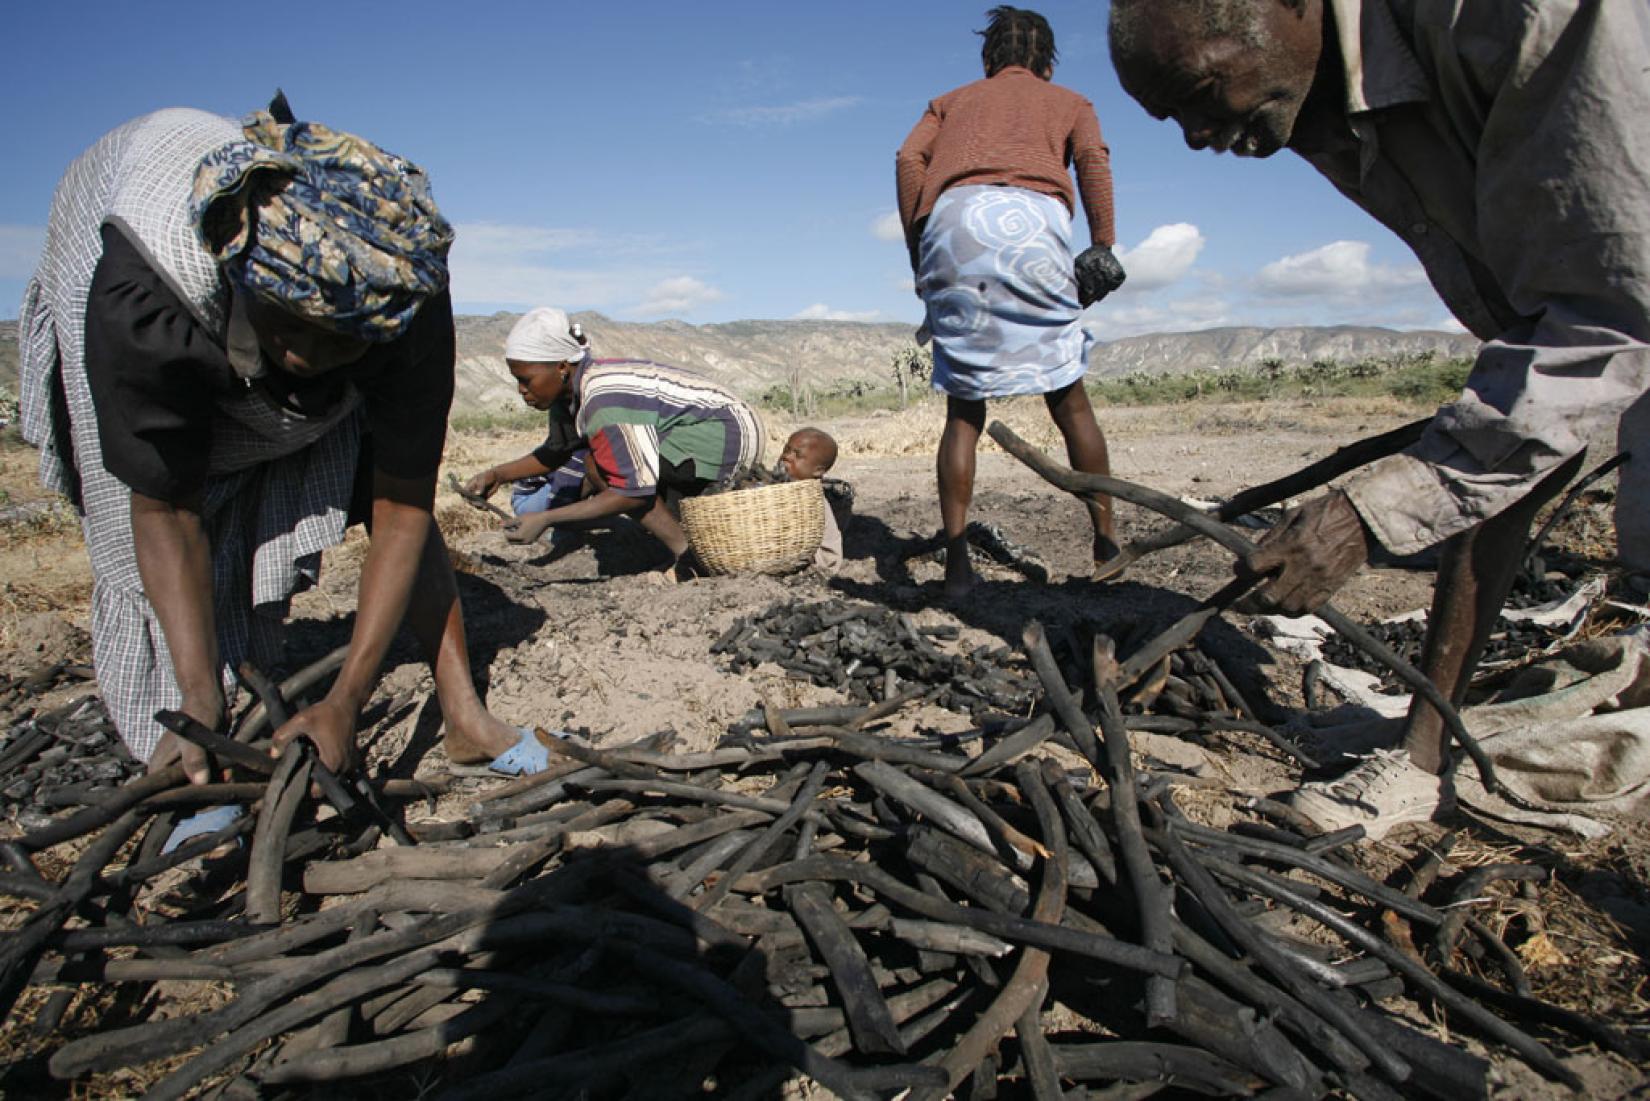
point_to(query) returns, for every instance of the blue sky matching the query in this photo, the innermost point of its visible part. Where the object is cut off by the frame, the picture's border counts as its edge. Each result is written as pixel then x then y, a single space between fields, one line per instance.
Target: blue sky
pixel 708 162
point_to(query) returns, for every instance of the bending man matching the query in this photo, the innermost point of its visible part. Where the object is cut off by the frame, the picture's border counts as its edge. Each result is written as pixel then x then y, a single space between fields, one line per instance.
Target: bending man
pixel 1506 144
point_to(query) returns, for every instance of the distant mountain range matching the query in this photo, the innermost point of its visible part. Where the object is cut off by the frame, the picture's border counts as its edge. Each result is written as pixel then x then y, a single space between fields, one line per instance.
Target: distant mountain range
pixel 751 356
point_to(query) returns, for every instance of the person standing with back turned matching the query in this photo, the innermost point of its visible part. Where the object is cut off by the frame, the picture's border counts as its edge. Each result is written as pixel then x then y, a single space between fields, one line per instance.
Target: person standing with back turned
pixel 986 200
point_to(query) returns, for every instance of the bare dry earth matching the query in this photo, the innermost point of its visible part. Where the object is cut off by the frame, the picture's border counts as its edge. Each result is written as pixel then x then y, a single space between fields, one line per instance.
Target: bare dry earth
pixel 585 637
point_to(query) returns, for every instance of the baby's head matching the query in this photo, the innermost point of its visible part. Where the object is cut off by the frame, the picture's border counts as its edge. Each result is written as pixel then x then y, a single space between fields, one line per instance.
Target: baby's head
pixel 809 453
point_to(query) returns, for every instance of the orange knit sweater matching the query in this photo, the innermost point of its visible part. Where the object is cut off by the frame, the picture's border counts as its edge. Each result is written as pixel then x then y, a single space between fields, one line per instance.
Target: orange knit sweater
pixel 1012 128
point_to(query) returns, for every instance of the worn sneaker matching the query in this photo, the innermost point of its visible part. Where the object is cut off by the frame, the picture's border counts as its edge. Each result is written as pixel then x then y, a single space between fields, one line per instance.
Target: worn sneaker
pixel 1383 792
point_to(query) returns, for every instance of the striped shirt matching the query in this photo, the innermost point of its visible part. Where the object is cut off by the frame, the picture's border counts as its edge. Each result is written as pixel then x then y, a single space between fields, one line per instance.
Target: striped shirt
pixel 641 418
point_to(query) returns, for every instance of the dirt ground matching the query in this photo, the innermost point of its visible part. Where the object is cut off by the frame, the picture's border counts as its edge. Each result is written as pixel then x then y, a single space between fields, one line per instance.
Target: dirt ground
pixel 584 636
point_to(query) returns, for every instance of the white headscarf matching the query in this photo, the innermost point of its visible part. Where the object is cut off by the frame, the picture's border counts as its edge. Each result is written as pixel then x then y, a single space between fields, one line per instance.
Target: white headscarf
pixel 543 336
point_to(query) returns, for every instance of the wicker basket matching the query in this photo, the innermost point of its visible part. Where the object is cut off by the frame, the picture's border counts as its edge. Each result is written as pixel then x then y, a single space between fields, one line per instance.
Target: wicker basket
pixel 767 529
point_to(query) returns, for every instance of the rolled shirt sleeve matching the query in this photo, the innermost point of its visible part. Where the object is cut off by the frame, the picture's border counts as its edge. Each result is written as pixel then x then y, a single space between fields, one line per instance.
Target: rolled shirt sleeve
pixel 1562 198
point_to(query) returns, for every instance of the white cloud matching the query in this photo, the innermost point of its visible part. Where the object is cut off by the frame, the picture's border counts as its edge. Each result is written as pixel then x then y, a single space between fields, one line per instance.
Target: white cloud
pixel 1450 325
pixel 821 312
pixel 784 114
pixel 677 295
pixel 1340 269
pixel 887 227
pixel 496 265
pixel 20 250
pixel 1167 254
pixel 1112 322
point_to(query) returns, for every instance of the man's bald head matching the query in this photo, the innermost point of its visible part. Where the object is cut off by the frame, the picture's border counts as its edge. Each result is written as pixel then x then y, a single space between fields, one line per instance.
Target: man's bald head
pixel 1233 73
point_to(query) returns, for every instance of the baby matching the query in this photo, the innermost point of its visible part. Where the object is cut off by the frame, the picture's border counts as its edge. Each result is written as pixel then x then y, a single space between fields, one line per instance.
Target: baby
pixel 809 453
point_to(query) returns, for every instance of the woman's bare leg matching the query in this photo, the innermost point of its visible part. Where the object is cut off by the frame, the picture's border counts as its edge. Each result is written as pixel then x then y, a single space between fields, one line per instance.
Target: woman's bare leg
pixel 436 619
pixel 954 466
pixel 1086 450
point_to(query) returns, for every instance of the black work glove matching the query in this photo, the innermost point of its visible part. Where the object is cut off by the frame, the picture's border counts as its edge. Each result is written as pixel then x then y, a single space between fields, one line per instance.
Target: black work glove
pixel 1098 274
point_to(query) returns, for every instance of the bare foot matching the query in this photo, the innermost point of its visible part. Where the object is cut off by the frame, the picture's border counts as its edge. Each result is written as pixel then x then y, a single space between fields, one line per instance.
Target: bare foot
pixel 959 582
pixel 478 738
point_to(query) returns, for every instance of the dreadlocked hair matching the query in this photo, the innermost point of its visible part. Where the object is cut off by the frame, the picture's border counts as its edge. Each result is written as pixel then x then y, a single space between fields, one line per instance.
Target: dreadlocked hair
pixel 1016 36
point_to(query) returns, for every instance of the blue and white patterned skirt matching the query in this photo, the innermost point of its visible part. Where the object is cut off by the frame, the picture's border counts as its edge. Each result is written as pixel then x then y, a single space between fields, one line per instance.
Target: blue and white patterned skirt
pixel 995 269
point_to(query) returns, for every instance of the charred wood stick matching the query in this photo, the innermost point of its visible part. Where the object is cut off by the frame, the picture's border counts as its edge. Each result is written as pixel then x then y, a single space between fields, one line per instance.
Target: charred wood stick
pixel 1182 630
pixel 274 703
pixel 1440 1069
pixel 1289 855
pixel 1152 898
pixel 869 1019
pixel 159 1039
pixel 1469 890
pixel 1082 827
pixel 937 936
pixel 36 890
pixel 524 858
pixel 1060 700
pixel 1019 849
pixel 887 707
pixel 355 1060
pixel 476 500
pixel 525 803
pixel 101 969
pixel 926 802
pixel 1089 484
pixel 819 1021
pixel 1018 930
pixel 1241 980
pixel 693 762
pixel 148 936
pixel 1528 1008
pixel 1252 726
pixel 87 819
pixel 1232 1031
pixel 227 750
pixel 205 795
pixel 257 718
pixel 870 747
pixel 529 987
pixel 967 869
pixel 707 931
pixel 1141 1061
pixel 348 988
pixel 287 788
pixel 332 1030
pixel 717 853
pixel 753 1025
pixel 348 877
pixel 589 755
pixel 1200 881
pixel 1026 987
pixel 690 791
pixel 1351 456
pixel 1564 506
pixel 1530 1050
pixel 769 837
pixel 1329 842
pixel 1012 747
pixel 1505 957
pixel 632 1054
pixel 1035 1055
pixel 23 948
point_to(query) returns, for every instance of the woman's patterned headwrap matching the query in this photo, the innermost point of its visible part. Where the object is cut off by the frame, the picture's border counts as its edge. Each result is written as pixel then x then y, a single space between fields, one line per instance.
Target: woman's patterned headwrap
pixel 324 224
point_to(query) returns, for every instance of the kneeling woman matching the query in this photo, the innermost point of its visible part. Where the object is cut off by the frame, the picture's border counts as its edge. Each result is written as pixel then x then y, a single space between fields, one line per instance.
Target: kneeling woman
pixel 655 434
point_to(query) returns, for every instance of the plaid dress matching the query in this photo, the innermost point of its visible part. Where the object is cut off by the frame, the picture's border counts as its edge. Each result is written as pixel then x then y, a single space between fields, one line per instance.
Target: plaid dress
pixel 279 486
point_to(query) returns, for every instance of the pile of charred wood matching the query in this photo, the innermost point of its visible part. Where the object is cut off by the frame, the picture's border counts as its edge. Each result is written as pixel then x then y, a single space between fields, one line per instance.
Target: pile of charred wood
pixel 60 757
pixel 870 653
pixel 886 916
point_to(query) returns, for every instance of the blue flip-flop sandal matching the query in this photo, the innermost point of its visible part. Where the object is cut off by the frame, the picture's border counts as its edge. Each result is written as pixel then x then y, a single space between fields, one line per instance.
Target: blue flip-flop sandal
pixel 526 757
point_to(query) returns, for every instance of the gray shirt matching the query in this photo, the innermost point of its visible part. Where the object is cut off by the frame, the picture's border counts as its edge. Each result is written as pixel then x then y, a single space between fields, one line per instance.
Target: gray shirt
pixel 1508 144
